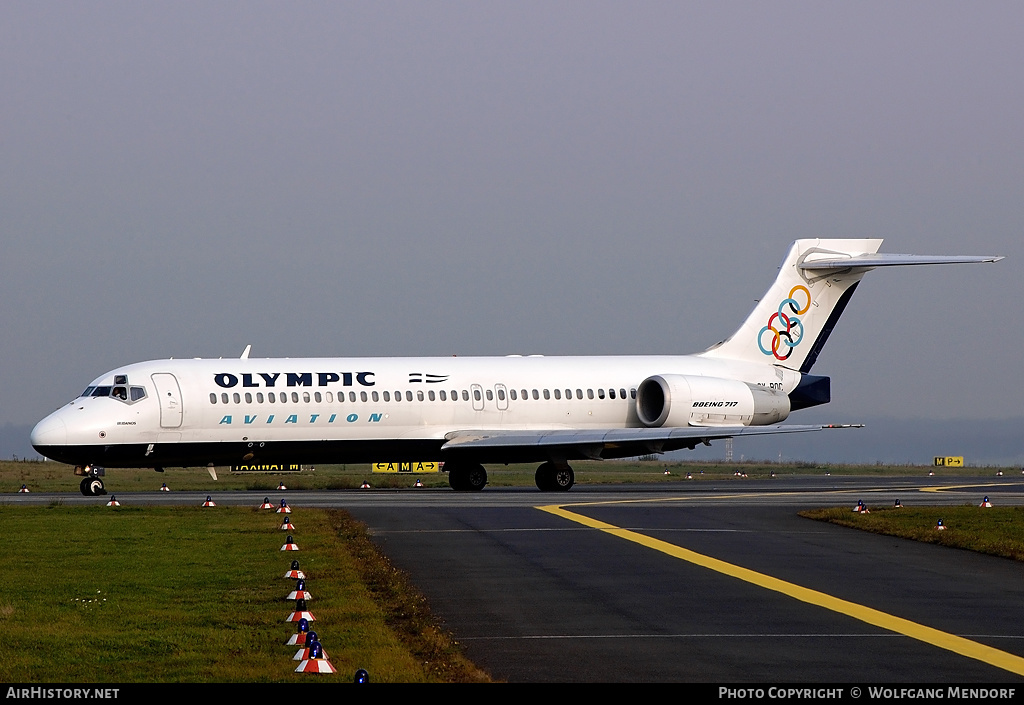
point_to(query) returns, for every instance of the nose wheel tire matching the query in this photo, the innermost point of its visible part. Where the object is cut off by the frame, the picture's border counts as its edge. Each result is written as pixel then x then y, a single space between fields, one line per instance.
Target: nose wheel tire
pixel 92 487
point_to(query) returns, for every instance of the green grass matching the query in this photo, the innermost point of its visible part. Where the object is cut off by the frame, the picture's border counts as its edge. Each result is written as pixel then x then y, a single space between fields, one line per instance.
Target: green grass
pixel 95 594
pixel 56 477
pixel 998 531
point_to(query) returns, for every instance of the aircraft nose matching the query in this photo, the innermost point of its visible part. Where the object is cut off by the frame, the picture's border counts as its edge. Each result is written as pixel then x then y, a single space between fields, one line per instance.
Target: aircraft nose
pixel 51 431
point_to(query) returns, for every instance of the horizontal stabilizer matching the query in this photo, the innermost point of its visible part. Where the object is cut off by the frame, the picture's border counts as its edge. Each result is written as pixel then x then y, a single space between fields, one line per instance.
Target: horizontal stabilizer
pixel 885 260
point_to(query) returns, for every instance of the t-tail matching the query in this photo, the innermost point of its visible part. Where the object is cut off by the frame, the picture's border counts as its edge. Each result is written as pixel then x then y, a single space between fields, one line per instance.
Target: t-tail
pixel 791 323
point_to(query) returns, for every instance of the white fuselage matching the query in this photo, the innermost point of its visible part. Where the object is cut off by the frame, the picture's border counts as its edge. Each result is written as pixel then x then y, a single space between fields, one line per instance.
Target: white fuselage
pixel 359 409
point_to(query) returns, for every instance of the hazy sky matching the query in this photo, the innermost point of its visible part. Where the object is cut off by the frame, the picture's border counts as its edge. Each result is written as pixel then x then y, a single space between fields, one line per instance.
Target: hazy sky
pixel 414 178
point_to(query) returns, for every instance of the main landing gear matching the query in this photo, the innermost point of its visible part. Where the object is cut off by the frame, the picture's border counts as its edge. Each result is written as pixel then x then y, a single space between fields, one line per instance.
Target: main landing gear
pixel 466 477
pixel 92 485
pixel 472 477
pixel 555 477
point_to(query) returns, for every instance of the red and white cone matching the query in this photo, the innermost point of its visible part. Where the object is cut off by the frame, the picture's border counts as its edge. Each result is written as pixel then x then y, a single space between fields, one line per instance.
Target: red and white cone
pixel 284 508
pixel 299 637
pixel 315 665
pixel 304 614
pixel 281 487
pixel 267 504
pixel 310 647
pixel 301 613
pixel 365 485
pixel 289 545
pixel 300 592
pixel 295 573
pixel 985 502
pixel 316 662
pixel 419 483
pixel 165 488
pixel 940 526
pixel 24 489
pixel 287 524
pixel 113 501
pixel 209 502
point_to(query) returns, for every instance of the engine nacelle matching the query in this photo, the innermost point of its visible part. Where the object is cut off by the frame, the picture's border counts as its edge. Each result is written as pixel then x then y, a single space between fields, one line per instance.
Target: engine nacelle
pixel 686 400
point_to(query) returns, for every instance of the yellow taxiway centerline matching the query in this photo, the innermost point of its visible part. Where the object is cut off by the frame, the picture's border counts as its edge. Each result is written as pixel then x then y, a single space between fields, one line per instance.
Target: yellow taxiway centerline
pixel 928 635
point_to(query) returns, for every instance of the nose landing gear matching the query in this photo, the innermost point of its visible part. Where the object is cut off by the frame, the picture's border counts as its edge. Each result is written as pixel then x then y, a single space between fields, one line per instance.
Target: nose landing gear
pixel 92 485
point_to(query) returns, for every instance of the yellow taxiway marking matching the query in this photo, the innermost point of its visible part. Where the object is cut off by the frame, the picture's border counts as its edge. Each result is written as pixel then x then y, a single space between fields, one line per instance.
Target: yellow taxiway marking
pixel 943 640
pixel 964 487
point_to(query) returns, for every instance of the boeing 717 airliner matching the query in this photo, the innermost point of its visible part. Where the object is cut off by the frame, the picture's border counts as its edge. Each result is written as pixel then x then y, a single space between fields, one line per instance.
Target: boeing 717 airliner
pixel 475 410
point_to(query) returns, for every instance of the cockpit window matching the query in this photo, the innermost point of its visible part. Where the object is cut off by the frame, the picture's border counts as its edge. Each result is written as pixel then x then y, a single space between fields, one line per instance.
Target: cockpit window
pixel 121 392
pixel 120 379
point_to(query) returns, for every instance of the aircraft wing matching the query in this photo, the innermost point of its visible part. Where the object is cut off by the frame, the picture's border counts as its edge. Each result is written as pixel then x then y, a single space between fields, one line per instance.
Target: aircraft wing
pixel 606 443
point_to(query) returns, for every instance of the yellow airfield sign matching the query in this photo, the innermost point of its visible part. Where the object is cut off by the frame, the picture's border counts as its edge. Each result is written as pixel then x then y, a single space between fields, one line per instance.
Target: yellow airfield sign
pixel 419 466
pixel 949 461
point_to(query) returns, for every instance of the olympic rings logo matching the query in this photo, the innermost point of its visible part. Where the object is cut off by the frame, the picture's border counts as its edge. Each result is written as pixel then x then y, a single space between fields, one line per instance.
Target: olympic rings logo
pixel 784 329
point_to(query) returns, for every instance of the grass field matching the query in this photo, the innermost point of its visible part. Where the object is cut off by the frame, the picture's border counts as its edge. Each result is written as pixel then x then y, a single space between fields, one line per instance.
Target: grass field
pixel 998 531
pixel 94 594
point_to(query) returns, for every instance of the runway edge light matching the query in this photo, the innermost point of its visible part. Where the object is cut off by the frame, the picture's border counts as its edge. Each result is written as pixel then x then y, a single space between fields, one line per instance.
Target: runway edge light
pixel 299 637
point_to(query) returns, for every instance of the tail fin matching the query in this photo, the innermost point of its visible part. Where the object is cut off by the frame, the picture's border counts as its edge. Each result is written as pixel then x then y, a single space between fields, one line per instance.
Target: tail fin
pixel 792 321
